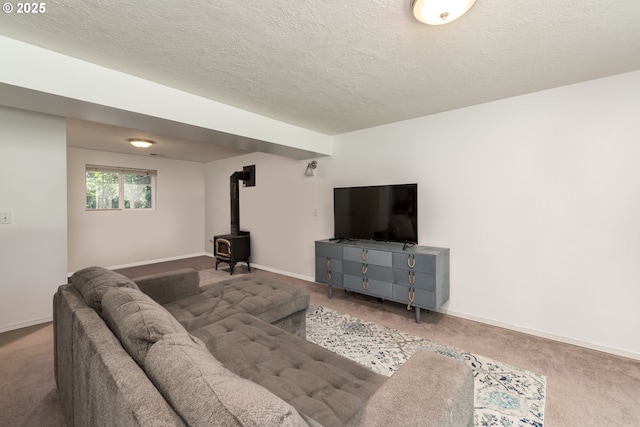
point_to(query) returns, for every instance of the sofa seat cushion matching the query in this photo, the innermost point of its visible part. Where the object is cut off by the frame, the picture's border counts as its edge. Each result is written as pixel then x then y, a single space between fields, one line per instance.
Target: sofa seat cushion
pixel 263 298
pixel 137 320
pixel 320 384
pixel 93 282
pixel 205 393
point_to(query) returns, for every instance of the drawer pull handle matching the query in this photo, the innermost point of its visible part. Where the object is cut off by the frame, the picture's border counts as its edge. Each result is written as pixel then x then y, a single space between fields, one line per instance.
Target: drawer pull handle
pixel 328 264
pixel 365 268
pixel 365 284
pixel 412 298
pixel 365 254
pixel 411 261
pixel 328 275
pixel 411 278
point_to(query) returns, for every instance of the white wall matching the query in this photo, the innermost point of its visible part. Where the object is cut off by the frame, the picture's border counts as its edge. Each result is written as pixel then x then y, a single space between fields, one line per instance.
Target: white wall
pixel 278 211
pixel 33 248
pixel 538 199
pixel 173 229
pixel 537 196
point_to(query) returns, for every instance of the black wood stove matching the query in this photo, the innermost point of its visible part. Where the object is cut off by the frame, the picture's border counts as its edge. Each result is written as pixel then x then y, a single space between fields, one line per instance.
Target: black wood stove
pixel 235 247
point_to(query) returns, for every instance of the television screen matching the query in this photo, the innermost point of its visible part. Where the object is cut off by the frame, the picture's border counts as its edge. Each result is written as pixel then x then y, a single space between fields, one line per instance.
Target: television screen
pixel 384 212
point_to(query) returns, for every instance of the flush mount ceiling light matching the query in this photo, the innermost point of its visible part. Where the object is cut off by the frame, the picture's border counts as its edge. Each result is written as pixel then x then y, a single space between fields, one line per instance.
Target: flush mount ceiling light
pixel 140 143
pixel 438 12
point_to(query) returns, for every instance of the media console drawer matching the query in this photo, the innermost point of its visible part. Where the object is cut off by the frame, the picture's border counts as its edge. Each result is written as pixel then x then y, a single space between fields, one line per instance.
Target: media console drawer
pixel 327 249
pixel 421 298
pixel 415 279
pixel 329 277
pixel 327 263
pixel 368 286
pixel 414 275
pixel 412 261
pixel 370 256
pixel 371 271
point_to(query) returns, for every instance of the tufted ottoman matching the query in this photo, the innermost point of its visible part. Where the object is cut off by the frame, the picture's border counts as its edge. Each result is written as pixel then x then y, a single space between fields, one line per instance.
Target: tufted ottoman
pixel 320 384
pixel 280 304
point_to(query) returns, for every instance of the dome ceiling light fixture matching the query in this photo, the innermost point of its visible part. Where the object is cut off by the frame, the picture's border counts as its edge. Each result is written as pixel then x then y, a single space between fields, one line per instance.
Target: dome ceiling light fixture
pixel 140 143
pixel 438 12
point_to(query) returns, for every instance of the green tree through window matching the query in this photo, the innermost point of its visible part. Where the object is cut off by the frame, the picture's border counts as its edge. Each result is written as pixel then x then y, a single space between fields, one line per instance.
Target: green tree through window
pixel 111 188
pixel 103 190
pixel 137 191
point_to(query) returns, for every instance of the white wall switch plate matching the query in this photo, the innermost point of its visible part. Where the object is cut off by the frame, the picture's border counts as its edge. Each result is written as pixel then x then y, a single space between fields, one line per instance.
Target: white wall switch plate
pixel 5 217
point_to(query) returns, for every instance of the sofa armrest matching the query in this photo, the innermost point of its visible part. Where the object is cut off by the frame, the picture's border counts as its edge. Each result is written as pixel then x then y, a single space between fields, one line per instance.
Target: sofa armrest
pixel 171 286
pixel 429 389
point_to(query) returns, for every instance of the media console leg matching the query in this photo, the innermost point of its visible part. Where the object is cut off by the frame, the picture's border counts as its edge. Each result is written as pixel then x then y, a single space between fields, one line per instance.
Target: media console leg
pixel 417 314
pixel 330 291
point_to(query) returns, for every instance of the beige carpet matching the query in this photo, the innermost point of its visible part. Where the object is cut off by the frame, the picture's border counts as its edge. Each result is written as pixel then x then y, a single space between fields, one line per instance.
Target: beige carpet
pixel 28 394
pixel 584 387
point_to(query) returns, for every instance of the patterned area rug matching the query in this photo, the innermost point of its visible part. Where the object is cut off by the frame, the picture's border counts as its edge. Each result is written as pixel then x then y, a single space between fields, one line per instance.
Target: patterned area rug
pixel 505 396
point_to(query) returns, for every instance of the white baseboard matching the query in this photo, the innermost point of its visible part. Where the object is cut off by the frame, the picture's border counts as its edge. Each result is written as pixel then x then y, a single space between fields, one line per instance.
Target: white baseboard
pixel 284 273
pixel 553 337
pixel 25 324
pixel 547 335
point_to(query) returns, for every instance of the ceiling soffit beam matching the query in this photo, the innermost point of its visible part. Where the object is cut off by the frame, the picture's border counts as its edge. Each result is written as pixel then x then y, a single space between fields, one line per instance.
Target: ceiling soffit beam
pixel 30 100
pixel 40 80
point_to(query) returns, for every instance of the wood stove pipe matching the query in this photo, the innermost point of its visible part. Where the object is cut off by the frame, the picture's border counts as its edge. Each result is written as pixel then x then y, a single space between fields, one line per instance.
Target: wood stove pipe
pixel 235 199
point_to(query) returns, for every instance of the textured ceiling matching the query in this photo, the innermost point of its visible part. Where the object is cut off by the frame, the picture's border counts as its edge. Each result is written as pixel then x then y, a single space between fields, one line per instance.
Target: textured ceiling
pixel 335 66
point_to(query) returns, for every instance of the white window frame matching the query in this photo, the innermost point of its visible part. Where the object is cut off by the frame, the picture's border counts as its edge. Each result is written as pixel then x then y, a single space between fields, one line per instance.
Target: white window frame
pixel 121 171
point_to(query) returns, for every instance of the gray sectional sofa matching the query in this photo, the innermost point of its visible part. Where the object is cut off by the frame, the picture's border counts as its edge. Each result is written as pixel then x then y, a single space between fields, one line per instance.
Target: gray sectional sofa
pixel 161 351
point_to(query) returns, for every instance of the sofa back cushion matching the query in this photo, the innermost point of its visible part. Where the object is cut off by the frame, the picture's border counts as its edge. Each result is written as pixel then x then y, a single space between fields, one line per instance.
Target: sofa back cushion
pixel 93 282
pixel 205 393
pixel 137 320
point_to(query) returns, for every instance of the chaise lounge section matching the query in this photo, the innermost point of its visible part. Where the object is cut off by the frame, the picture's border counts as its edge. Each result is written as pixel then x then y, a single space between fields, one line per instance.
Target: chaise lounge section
pixel 161 351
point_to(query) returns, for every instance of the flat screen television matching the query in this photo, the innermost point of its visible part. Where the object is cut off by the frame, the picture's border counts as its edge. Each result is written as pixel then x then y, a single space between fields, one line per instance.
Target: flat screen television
pixel 382 212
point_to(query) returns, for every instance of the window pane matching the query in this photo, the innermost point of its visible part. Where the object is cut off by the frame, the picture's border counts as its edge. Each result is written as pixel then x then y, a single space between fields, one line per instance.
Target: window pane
pixel 137 191
pixel 102 190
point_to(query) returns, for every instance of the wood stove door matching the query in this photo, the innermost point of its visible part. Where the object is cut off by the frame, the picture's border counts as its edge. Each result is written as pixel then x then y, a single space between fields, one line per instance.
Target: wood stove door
pixel 222 248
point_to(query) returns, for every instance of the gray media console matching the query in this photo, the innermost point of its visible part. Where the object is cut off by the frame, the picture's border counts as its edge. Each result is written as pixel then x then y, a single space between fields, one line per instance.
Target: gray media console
pixel 417 276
